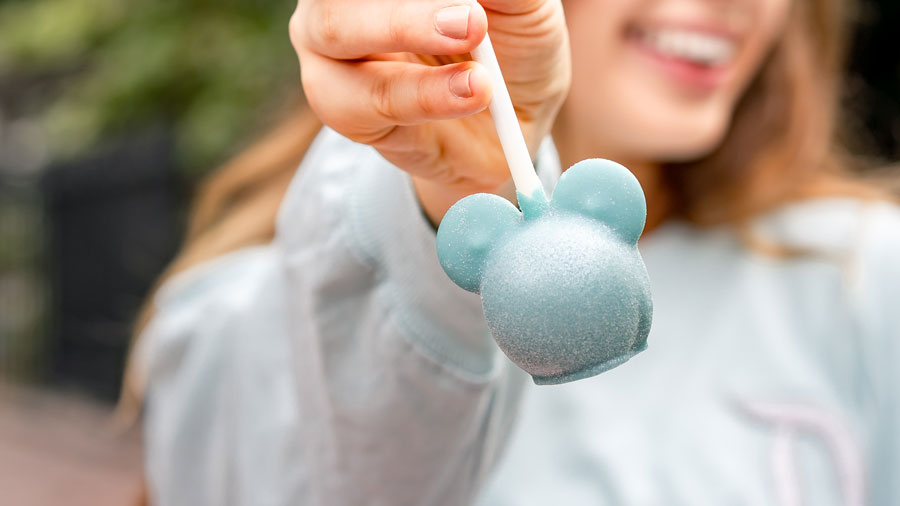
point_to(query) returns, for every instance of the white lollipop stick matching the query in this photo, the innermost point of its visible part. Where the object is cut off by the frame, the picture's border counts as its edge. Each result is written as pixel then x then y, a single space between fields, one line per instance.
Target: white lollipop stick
pixel 507 125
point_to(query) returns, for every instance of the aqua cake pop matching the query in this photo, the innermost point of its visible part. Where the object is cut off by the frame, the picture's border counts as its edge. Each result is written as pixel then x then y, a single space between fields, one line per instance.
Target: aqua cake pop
pixel 564 289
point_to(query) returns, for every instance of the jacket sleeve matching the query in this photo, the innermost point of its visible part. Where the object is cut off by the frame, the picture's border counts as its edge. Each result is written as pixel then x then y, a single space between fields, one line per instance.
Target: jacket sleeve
pixel 336 366
pixel 406 398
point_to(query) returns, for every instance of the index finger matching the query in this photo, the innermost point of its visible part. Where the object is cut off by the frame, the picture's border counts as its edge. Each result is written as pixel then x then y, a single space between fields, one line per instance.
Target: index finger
pixel 351 29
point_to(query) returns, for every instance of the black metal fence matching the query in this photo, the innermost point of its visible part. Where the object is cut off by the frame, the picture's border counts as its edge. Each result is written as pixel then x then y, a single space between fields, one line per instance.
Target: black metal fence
pixel 79 249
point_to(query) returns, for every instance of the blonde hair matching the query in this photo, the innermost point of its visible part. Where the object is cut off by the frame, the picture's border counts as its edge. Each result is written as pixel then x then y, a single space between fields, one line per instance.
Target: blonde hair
pixel 781 147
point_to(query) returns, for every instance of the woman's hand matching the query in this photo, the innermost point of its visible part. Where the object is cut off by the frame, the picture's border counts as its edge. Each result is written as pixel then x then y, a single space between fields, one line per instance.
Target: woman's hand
pixel 382 72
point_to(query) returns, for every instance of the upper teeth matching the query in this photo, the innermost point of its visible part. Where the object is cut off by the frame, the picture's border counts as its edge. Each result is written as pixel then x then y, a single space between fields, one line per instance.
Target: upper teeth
pixel 702 48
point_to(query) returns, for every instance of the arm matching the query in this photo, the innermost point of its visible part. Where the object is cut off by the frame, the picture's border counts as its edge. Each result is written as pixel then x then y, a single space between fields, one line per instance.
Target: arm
pixel 406 399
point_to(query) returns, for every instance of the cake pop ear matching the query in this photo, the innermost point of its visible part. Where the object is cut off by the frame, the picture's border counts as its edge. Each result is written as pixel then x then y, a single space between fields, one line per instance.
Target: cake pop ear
pixel 606 191
pixel 468 232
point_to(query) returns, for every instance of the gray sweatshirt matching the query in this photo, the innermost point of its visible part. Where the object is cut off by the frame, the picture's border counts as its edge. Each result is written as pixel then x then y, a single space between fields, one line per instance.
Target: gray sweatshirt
pixel 338 365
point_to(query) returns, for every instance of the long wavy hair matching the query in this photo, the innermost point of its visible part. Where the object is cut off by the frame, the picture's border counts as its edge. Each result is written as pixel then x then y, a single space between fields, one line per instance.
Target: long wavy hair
pixel 781 147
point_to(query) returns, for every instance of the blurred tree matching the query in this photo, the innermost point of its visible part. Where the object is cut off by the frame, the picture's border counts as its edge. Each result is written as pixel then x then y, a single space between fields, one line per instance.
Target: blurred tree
pixel 113 105
pixel 210 71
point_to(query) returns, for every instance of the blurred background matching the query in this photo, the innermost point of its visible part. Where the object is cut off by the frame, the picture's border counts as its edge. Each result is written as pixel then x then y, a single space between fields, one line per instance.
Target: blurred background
pixel 110 114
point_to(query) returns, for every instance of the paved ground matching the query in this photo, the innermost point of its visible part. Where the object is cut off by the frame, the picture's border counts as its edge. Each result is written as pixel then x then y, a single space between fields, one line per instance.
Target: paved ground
pixel 60 449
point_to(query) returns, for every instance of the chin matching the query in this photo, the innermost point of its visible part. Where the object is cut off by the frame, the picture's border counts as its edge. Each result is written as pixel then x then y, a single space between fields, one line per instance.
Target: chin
pixel 690 148
pixel 685 141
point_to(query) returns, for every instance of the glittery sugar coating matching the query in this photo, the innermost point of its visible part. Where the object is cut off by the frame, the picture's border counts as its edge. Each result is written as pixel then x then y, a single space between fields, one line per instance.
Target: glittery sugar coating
pixel 564 289
pixel 581 299
pixel 468 233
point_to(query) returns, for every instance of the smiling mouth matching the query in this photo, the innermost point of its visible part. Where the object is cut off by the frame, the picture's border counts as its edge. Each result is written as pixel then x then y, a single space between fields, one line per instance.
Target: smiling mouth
pixel 699 59
pixel 694 47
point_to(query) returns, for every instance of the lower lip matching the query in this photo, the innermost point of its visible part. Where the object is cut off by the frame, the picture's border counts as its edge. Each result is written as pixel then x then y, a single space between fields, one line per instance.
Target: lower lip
pixel 691 75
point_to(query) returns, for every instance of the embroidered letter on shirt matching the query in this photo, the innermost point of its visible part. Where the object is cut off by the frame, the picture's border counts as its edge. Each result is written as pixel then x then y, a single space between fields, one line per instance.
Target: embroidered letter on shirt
pixel 791 419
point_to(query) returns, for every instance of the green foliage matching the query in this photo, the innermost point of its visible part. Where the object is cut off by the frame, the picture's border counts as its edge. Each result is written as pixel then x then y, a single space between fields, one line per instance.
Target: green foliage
pixel 208 69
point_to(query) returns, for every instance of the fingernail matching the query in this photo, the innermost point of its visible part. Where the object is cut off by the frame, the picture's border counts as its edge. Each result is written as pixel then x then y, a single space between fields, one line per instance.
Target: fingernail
pixel 453 21
pixel 459 84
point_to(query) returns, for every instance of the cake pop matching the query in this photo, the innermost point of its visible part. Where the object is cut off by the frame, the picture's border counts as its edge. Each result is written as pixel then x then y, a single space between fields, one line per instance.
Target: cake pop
pixel 564 289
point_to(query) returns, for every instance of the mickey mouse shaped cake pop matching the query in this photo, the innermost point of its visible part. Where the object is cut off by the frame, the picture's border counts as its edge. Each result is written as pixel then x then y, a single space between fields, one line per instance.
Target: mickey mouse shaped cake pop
pixel 563 286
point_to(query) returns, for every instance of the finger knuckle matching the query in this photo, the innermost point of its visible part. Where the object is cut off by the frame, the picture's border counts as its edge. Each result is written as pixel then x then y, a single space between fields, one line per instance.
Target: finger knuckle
pixel 382 97
pixel 325 24
pixel 424 100
pixel 396 29
pixel 295 29
pixel 328 111
pixel 318 87
pixel 309 83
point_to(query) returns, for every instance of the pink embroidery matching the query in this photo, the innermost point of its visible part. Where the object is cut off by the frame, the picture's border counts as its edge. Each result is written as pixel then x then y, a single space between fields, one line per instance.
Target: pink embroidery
pixel 792 418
